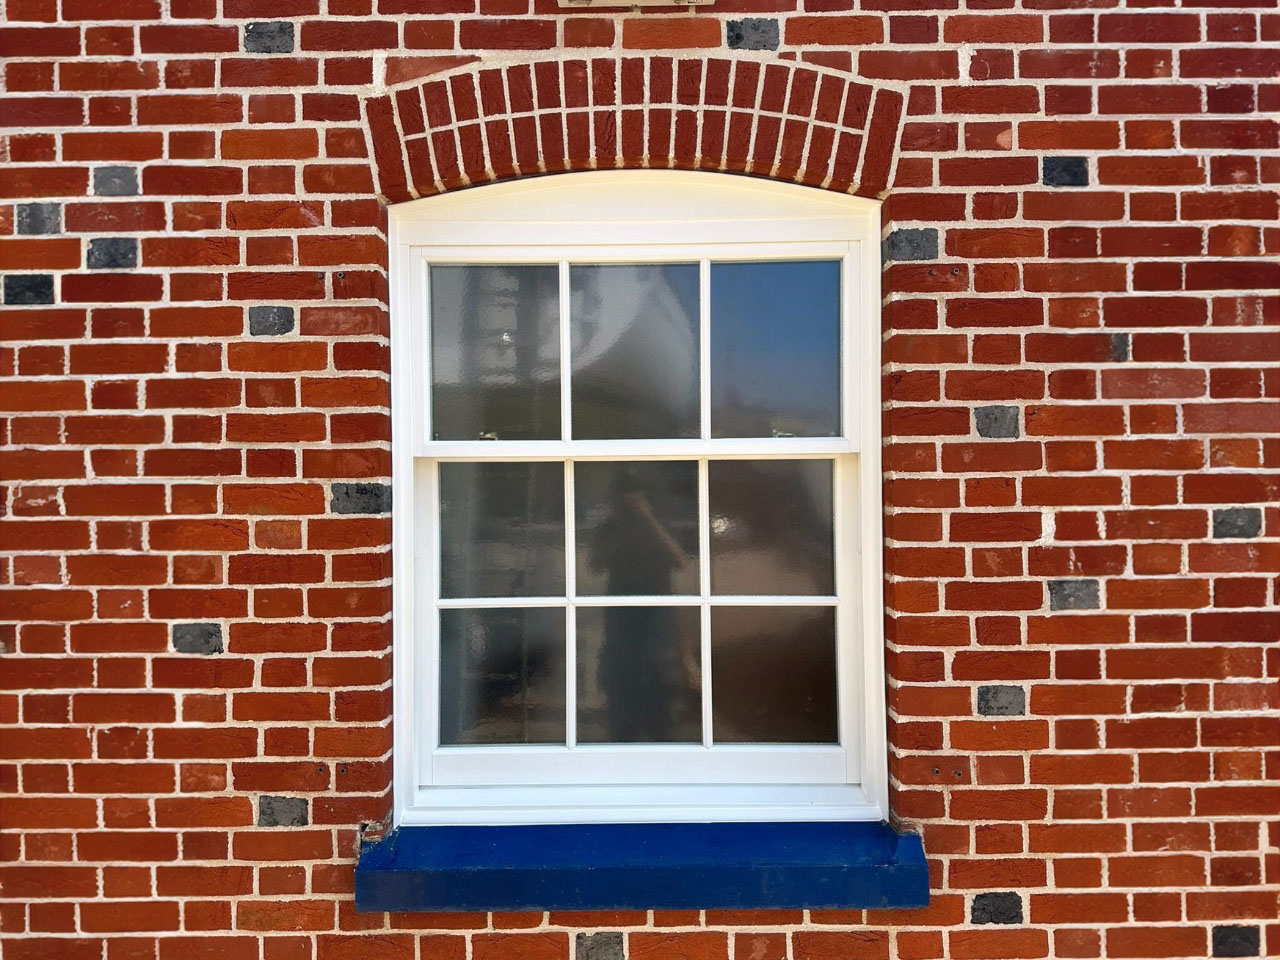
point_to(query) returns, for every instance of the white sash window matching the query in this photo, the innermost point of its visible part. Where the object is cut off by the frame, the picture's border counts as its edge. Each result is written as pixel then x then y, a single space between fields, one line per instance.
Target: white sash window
pixel 637 502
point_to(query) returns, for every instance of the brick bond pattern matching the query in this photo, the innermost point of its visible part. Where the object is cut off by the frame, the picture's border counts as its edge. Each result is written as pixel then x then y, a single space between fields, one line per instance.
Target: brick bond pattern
pixel 1082 441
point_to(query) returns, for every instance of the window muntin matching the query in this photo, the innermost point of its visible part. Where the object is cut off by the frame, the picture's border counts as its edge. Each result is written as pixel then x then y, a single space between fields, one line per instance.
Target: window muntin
pixel 765 586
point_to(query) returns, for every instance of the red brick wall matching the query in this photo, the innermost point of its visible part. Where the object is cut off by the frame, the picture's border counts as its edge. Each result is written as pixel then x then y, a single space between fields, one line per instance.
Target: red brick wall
pixel 1083 438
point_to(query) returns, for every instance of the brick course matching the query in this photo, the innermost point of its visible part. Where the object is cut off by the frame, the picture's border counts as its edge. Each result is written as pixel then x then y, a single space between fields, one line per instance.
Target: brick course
pixel 1082 448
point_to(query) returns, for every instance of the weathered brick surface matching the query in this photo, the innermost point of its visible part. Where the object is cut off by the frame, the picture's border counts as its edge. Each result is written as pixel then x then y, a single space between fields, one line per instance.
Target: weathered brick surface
pixel 1082 448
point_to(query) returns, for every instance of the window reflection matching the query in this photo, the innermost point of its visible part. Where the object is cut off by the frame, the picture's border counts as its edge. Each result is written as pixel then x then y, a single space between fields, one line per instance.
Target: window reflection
pixel 771 527
pixel 501 529
pixel 773 673
pixel 495 352
pixel 639 675
pixel 637 527
pixel 502 676
pixel 635 351
pixel 775 349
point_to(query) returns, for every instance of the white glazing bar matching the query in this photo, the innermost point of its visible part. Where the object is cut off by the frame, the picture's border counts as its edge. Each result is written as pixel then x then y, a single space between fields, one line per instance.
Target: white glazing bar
pixel 571 616
pixel 795 600
pixel 566 368
pixel 491 603
pixel 421 389
pixel 704 588
pixel 675 600
pixel 704 347
pixel 726 448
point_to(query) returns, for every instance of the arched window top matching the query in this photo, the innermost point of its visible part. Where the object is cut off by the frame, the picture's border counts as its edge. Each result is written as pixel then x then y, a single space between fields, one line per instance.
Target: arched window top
pixel 637 206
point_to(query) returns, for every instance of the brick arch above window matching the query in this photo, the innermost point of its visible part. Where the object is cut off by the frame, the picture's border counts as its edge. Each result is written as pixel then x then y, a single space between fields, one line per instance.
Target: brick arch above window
pixel 777 119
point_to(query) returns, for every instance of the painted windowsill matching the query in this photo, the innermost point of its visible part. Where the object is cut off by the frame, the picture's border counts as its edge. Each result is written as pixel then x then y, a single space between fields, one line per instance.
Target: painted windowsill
pixel 646 865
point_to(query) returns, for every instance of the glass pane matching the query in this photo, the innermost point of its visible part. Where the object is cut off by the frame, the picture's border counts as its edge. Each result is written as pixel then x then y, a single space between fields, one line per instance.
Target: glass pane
pixel 635 351
pixel 773 675
pixel 775 349
pixel 639 675
pixel 772 527
pixel 501 529
pixel 637 527
pixel 495 352
pixel 502 676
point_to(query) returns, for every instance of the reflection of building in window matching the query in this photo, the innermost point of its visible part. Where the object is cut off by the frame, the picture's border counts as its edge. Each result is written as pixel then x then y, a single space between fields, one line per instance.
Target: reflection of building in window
pixel 495 352
pixel 634 350
pixel 502 676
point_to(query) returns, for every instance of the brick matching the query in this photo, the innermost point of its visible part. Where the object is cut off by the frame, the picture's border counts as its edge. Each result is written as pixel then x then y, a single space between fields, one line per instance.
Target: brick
pixel 1001 701
pixel 1232 940
pixel 270 321
pixel 282 811
pixel 33 219
pixel 912 244
pixel 361 498
pixel 28 289
pixel 997 422
pixel 1237 522
pixel 268 37
pixel 1004 908
pixel 115 181
pixel 1065 172
pixel 606 945
pixel 751 33
pixel 1074 595
pixel 199 638
pixel 112 253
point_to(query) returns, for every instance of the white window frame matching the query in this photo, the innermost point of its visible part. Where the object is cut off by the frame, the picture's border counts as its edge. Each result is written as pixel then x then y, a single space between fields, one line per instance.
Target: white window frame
pixel 638 216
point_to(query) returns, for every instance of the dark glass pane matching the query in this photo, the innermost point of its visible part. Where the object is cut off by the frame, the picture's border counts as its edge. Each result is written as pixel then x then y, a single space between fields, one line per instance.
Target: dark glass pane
pixel 775 349
pixel 501 529
pixel 637 527
pixel 635 351
pixel 773 675
pixel 771 527
pixel 638 675
pixel 495 352
pixel 502 676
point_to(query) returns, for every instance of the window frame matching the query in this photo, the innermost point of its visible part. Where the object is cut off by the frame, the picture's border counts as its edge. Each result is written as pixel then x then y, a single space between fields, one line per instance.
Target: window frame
pixel 632 216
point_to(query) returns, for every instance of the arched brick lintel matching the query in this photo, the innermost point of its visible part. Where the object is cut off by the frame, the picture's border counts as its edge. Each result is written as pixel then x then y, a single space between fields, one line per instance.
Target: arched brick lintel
pixel 777 119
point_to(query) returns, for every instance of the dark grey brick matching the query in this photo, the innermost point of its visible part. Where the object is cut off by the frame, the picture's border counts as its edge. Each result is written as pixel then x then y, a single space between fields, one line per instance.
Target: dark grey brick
pixel 1235 941
pixel 1001 700
pixel 606 945
pixel 282 811
pixel 270 321
pixel 361 498
pixel 35 218
pixel 919 244
pixel 1005 907
pixel 24 290
pixel 753 33
pixel 1074 595
pixel 270 37
pixel 1119 347
pixel 996 422
pixel 1065 172
pixel 115 182
pixel 113 253
pixel 201 638
pixel 1237 522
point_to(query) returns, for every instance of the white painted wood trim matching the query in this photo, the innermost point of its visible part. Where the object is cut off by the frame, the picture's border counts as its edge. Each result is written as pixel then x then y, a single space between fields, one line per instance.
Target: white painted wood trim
pixel 654 216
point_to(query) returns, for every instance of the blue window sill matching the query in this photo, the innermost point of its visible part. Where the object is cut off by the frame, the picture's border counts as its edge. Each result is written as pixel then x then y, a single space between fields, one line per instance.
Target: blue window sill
pixel 645 865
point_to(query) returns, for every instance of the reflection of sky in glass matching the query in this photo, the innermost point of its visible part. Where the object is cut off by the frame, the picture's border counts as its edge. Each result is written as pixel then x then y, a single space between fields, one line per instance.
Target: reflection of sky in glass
pixel 775 348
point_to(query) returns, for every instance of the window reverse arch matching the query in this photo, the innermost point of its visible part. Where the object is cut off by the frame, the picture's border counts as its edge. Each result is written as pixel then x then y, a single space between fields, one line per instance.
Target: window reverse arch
pixel 637 515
